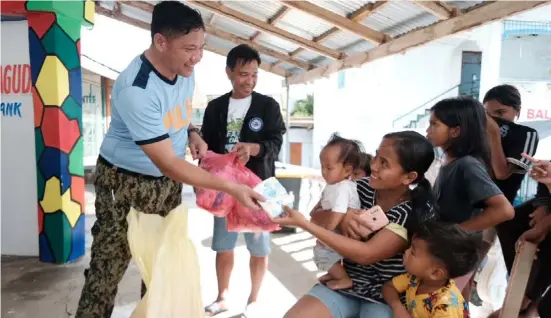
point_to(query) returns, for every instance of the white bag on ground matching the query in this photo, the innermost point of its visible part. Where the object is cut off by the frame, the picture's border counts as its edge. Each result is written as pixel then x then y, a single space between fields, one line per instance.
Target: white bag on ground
pixel 168 264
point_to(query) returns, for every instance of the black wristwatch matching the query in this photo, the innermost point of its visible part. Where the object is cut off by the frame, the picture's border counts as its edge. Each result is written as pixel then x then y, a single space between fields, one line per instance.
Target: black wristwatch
pixel 194 130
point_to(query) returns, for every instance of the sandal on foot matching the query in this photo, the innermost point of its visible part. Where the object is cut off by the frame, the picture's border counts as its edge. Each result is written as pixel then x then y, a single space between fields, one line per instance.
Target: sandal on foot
pixel 214 309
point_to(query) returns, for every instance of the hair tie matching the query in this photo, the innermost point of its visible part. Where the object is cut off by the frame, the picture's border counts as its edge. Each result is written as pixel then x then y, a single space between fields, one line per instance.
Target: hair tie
pixel 413 186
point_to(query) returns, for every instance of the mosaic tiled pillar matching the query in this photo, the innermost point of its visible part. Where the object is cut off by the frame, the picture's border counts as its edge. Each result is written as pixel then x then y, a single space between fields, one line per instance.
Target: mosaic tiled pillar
pixel 54 45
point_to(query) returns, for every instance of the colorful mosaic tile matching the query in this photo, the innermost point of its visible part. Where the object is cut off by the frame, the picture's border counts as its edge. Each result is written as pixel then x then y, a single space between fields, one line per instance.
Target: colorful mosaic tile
pixel 54 45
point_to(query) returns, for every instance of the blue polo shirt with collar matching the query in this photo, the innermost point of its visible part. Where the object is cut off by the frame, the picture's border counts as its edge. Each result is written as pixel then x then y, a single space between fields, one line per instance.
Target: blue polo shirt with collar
pixel 146 107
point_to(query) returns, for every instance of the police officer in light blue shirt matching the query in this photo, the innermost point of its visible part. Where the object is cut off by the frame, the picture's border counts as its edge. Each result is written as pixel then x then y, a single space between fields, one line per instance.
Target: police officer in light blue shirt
pixel 141 162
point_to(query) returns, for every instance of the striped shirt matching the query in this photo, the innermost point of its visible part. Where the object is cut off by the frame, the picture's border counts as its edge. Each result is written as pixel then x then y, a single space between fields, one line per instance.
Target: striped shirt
pixel 369 279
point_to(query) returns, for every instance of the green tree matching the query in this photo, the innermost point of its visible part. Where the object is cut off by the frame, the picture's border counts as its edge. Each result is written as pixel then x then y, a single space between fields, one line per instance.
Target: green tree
pixel 304 107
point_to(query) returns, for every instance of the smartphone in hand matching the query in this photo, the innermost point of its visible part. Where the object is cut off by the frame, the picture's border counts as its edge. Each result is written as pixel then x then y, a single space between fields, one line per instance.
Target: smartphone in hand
pixel 373 220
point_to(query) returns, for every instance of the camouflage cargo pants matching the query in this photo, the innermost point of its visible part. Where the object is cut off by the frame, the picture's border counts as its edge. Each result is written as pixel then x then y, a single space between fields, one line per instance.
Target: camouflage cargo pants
pixel 116 191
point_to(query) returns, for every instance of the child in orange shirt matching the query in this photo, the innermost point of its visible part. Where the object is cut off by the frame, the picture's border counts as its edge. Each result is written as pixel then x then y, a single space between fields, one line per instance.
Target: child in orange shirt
pixel 438 253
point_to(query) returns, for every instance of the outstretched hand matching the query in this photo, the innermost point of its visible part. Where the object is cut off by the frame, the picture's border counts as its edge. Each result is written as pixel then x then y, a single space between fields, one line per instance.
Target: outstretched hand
pixel 540 171
pixel 290 217
pixel 247 196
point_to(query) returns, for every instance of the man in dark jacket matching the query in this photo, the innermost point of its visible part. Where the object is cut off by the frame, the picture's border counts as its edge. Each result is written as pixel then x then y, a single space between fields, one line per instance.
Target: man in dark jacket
pixel 250 124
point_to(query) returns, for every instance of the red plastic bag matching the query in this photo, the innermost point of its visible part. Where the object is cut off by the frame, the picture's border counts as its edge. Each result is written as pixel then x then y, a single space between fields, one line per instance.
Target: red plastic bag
pixel 238 218
pixel 222 166
pixel 241 219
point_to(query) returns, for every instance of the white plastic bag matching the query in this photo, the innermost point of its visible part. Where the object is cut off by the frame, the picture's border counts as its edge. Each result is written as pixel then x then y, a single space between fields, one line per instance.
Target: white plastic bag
pixel 276 196
pixel 168 264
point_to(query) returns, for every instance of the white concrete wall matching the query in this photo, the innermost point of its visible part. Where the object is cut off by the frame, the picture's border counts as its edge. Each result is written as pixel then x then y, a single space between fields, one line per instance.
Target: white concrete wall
pixel 18 172
pixel 526 58
pixel 303 136
pixel 379 92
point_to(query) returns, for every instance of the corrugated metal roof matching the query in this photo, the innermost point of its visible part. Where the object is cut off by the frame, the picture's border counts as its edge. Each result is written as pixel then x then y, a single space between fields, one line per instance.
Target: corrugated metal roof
pixel 107 4
pixel 342 39
pixel 267 59
pixel 262 10
pixel 307 55
pixel 276 42
pixel 398 17
pixel 219 43
pixel 228 25
pixel 204 13
pixel 395 18
pixel 464 4
pixel 303 24
pixel 342 7
pixel 358 47
pixel 291 68
pixel 135 13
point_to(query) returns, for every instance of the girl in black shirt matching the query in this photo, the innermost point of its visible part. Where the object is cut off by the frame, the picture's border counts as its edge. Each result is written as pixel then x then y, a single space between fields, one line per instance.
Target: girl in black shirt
pixel 464 190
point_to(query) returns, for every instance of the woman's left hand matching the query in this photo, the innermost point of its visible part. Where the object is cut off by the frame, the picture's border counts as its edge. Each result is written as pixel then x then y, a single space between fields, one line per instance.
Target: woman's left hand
pixel 291 218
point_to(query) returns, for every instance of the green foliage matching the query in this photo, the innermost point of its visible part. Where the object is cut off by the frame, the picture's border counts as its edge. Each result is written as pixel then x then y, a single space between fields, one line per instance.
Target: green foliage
pixel 304 107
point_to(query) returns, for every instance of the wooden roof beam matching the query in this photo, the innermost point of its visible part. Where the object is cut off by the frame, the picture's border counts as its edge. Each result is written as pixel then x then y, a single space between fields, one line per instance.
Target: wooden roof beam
pixel 366 10
pixel 263 26
pixel 357 16
pixel 211 30
pixel 273 20
pixel 477 16
pixel 337 21
pixel 435 8
pixel 116 9
pixel 212 19
pixel 144 25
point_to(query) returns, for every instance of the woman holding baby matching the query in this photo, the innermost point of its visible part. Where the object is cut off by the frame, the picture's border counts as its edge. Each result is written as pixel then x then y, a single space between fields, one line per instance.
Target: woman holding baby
pixel 397 185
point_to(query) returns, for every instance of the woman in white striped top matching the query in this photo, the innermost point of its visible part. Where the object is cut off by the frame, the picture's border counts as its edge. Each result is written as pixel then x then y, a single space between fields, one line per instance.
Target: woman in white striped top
pixel 397 184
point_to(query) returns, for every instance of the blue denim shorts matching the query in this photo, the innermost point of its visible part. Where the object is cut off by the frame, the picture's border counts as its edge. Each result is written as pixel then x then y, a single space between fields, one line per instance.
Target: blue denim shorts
pixel 344 306
pixel 258 244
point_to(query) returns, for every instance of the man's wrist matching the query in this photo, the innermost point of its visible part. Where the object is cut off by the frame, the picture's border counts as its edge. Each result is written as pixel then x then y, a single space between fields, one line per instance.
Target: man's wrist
pixel 255 149
pixel 193 130
pixel 227 187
